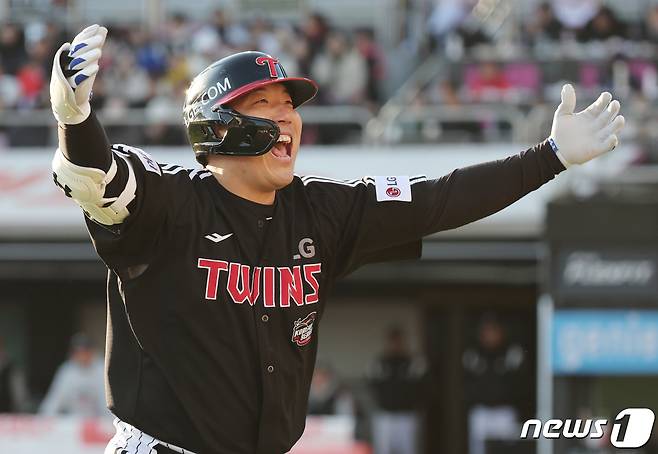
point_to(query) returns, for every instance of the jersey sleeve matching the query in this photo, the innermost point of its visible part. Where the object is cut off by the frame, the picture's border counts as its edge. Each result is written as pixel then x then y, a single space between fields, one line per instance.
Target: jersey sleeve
pixel 363 221
pixel 385 217
pixel 136 240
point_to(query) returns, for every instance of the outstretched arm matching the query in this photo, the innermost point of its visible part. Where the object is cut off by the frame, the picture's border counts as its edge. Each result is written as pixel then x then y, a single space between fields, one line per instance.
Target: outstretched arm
pixel 84 166
pixel 374 222
pixel 474 192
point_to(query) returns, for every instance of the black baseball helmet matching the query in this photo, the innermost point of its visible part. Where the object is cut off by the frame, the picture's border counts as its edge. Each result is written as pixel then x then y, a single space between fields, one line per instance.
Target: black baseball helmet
pixel 220 83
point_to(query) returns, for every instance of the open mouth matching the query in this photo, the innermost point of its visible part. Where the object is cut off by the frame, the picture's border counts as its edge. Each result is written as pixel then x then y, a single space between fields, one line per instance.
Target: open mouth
pixel 283 148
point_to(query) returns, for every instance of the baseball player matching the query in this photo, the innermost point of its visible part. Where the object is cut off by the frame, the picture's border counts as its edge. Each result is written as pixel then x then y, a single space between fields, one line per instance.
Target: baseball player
pixel 218 276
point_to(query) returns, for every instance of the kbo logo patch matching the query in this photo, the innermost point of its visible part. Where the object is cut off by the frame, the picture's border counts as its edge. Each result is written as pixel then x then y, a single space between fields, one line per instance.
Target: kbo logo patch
pixel 303 329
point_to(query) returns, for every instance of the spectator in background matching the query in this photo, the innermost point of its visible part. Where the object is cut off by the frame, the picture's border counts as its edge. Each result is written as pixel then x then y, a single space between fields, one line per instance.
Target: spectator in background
pixel 544 26
pixel 495 371
pixel 315 31
pixel 340 71
pixel 207 47
pixel 649 29
pixel 442 91
pixel 488 83
pixel 9 90
pixel 286 42
pixel 374 57
pixel 13 389
pixel 12 48
pixel 263 36
pixel 301 51
pixel 162 114
pixel 79 385
pixel 575 14
pixel 176 33
pixel 128 83
pixel 41 52
pixel 31 80
pixel 327 395
pixel 453 19
pixel 232 34
pixel 396 381
pixel 150 54
pixel 604 25
pixel 446 17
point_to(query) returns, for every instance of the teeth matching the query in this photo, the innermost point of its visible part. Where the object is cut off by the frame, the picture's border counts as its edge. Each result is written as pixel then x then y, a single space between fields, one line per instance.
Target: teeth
pixel 285 138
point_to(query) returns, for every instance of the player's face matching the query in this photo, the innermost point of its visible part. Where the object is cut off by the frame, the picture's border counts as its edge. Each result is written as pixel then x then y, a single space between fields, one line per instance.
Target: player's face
pixel 274 169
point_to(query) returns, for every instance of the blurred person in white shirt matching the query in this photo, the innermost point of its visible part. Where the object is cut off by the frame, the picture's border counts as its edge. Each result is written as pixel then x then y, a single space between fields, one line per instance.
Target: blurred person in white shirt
pixel 328 396
pixel 10 90
pixel 575 14
pixel 341 71
pixel 79 385
pixel 447 16
pixel 129 83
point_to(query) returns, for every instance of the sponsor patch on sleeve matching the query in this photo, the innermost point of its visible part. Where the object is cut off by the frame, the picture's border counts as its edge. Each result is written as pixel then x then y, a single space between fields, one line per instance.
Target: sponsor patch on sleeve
pixel 393 188
pixel 147 161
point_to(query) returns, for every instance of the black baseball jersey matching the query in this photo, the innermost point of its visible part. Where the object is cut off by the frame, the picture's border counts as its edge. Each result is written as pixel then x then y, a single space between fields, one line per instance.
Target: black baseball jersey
pixel 215 302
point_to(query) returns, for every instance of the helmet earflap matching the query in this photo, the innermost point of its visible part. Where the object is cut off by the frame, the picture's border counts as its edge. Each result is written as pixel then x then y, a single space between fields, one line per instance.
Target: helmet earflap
pixel 245 135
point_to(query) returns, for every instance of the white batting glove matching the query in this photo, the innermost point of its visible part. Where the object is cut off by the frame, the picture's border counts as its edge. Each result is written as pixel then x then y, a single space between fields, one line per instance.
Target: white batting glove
pixel 74 71
pixel 578 137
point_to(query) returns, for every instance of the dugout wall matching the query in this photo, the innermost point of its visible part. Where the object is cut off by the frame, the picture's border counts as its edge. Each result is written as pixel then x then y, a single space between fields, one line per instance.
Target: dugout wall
pixel 600 313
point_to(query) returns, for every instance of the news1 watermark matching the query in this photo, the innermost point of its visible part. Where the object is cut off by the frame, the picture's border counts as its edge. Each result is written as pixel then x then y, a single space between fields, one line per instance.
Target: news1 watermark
pixel 631 428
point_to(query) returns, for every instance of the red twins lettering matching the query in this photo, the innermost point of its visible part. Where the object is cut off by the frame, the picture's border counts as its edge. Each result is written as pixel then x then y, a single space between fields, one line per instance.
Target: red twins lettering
pixel 291 285
pixel 310 271
pixel 271 64
pixel 268 294
pixel 213 267
pixel 243 283
pixel 237 271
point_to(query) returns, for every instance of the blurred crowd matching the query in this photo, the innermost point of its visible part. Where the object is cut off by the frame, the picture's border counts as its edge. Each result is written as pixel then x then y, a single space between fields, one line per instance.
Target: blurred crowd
pixel 582 41
pixel 482 60
pixel 151 70
pixel 583 21
pixel 483 56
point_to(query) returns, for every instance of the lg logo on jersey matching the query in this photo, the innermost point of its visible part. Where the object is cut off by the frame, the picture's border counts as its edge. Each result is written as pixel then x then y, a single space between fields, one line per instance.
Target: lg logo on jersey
pixel 393 188
pixel 306 249
pixel 393 192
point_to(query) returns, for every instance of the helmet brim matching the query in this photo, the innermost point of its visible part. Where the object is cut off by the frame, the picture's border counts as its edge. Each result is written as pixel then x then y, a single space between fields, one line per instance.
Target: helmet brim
pixel 301 90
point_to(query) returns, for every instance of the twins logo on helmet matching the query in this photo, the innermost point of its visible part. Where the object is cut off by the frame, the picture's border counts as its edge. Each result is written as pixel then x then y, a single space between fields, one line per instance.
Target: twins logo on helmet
pixel 271 64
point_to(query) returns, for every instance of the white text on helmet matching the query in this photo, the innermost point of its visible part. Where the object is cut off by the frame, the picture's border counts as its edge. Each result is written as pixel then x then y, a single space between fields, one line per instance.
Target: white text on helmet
pixel 216 90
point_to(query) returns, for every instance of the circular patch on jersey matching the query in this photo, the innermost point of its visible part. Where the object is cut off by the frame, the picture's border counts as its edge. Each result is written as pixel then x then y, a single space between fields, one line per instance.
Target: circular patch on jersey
pixel 303 329
pixel 393 192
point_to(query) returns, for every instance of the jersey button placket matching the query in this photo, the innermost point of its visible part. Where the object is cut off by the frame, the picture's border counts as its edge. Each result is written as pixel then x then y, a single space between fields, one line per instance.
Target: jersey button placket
pixel 265 318
pixel 270 368
pixel 260 223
